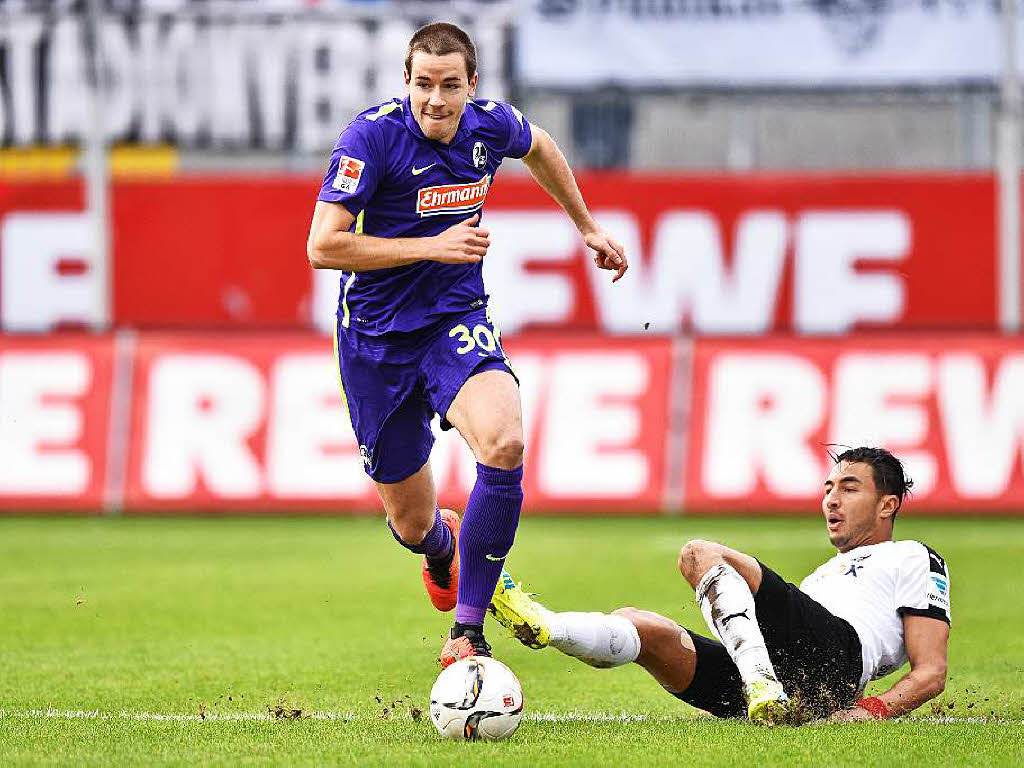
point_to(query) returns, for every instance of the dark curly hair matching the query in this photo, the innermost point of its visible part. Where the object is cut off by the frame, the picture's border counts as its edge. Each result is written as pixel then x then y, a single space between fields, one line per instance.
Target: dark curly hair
pixel 888 472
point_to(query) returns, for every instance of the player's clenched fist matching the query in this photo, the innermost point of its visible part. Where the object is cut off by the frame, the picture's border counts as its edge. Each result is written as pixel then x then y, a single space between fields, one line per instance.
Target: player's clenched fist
pixel 463 243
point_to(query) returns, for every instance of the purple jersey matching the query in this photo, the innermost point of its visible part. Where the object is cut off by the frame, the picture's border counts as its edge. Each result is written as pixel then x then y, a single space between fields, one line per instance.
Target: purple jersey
pixel 399 183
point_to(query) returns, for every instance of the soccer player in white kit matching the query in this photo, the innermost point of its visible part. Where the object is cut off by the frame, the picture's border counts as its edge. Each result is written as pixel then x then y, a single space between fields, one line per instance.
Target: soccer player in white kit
pixel 874 606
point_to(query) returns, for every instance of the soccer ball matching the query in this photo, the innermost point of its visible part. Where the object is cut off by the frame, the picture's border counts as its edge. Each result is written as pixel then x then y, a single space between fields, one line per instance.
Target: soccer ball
pixel 476 698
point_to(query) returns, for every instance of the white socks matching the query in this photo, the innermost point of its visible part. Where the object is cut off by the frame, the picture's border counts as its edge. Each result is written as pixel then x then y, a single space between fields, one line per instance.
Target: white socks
pixel 598 639
pixel 728 607
pixel 603 640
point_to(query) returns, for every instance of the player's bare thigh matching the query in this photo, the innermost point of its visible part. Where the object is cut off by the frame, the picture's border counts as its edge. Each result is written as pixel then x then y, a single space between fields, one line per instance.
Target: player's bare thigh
pixel 488 414
pixel 666 649
pixel 697 557
pixel 410 504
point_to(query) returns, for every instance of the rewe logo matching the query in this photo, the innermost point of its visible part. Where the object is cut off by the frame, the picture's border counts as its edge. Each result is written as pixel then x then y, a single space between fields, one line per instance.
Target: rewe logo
pixel 954 415
pixel 815 271
pixel 691 277
pixel 452 198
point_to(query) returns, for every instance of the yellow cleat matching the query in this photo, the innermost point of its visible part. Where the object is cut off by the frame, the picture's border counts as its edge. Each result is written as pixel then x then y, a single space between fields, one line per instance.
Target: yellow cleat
pixel 767 703
pixel 526 619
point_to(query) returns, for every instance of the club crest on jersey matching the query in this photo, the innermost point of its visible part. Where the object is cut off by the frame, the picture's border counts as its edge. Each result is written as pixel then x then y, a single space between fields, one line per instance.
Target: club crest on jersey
pixel 452 198
pixel 349 172
pixel 479 155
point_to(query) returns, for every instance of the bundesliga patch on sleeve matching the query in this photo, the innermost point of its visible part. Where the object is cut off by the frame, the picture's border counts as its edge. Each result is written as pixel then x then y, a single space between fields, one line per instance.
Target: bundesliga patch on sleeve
pixel 349 172
pixel 938 591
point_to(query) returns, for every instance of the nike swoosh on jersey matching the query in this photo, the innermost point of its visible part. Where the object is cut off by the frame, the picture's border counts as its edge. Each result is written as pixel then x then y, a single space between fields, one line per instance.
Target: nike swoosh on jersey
pixel 494 559
pixel 417 171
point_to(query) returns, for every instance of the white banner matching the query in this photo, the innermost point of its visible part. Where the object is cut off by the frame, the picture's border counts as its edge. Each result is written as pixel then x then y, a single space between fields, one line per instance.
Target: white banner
pixel 238 79
pixel 760 42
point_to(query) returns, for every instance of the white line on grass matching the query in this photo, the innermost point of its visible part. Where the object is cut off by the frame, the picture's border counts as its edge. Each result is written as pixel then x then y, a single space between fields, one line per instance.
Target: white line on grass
pixel 550 717
pixel 976 720
pixel 98 714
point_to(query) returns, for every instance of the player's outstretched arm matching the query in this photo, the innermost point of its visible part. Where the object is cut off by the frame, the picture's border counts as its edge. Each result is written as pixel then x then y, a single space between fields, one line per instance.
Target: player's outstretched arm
pixel 548 166
pixel 927 641
pixel 330 245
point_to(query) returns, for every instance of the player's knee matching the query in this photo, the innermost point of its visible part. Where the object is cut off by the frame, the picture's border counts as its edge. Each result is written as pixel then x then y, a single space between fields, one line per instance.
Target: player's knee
pixel 504 450
pixel 645 623
pixel 696 556
pixel 633 615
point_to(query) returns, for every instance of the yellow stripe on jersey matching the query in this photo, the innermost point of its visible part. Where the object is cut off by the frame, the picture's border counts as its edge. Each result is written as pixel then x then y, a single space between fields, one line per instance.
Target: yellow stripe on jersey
pixel 345 316
pixel 385 109
pixel 337 370
pixel 497 336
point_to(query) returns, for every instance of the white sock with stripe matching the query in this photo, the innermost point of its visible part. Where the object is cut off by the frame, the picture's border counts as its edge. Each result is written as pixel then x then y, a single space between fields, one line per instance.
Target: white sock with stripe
pixel 728 607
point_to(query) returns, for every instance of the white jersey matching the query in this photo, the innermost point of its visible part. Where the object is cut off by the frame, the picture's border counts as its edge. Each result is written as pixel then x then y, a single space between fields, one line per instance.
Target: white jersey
pixel 873 587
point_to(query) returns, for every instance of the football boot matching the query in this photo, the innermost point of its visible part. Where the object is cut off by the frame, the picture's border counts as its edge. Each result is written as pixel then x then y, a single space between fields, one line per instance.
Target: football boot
pixel 515 610
pixel 767 702
pixel 463 642
pixel 441 577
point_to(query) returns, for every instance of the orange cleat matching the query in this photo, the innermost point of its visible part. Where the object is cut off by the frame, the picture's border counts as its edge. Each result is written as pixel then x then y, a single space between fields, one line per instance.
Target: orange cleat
pixel 440 579
pixel 461 644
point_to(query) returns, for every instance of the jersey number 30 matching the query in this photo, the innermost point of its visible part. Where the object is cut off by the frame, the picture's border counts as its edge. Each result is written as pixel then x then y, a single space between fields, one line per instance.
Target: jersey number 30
pixel 481 336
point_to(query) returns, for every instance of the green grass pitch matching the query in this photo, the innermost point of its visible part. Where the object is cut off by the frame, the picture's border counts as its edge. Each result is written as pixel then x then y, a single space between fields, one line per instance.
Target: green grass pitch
pixel 126 641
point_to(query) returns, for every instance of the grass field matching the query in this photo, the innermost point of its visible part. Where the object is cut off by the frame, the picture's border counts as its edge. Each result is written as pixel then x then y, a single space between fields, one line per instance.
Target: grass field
pixel 176 641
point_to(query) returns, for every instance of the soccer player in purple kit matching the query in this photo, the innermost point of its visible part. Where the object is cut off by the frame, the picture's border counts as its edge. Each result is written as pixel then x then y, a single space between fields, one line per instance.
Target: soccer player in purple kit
pixel 399 215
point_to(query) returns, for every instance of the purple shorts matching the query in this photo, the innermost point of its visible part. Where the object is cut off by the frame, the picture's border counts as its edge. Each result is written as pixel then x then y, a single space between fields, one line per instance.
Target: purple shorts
pixel 393 385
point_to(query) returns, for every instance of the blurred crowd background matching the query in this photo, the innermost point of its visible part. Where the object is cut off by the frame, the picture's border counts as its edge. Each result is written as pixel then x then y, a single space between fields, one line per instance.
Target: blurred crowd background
pixel 663 85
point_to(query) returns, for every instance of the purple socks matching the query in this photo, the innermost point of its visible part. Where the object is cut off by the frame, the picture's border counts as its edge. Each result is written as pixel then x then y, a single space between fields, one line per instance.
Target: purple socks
pixel 488 530
pixel 436 544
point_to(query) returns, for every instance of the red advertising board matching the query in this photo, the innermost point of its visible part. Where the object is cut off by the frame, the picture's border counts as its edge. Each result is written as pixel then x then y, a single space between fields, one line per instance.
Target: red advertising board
pixel 764 414
pixel 249 422
pixel 256 422
pixel 202 252
pixel 55 399
pixel 818 254
pixel 718 255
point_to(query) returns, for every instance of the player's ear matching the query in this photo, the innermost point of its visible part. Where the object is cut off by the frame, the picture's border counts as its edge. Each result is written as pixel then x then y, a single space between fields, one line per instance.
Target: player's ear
pixel 407 76
pixel 472 85
pixel 889 506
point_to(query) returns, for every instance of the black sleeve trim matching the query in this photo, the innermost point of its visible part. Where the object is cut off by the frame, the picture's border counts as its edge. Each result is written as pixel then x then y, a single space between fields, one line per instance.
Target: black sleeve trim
pixel 936 563
pixel 931 612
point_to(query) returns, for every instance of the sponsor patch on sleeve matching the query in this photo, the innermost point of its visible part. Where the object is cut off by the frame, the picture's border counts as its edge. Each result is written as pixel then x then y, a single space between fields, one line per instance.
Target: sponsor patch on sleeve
pixel 349 172
pixel 938 591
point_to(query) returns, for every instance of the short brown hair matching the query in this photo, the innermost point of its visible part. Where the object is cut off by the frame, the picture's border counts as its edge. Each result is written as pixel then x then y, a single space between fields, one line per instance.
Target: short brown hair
pixel 439 39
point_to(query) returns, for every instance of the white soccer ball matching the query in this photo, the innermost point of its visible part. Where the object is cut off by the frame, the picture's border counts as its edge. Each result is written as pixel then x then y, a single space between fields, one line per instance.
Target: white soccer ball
pixel 476 698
